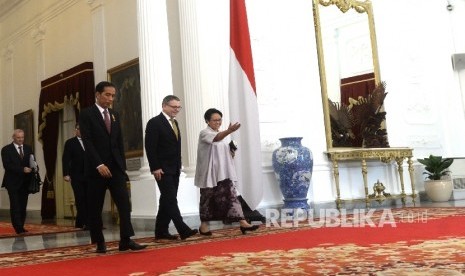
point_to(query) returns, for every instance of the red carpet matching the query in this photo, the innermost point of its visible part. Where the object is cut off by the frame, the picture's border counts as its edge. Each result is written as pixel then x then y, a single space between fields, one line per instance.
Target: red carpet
pixel 7 231
pixel 435 246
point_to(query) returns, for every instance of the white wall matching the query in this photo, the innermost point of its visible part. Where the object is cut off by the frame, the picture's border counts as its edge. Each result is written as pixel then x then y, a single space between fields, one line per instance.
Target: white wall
pixel 415 58
pixel 120 32
pixel 424 105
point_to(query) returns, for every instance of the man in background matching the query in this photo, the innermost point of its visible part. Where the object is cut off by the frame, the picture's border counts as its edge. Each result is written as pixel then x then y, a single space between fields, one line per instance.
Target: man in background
pixel 73 172
pixel 15 158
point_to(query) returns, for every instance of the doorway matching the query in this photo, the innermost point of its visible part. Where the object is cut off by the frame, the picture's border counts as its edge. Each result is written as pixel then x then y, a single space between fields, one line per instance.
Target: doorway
pixel 65 207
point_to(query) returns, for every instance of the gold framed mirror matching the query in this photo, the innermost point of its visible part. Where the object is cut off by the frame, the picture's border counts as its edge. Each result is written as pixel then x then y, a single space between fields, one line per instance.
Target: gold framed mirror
pixel 347 55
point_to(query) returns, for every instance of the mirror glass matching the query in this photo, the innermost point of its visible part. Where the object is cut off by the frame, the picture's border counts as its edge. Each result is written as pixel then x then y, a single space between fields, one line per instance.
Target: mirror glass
pixel 349 70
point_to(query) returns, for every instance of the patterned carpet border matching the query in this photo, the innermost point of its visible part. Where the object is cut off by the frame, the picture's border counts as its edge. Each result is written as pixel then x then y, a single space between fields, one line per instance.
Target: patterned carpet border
pixel 443 256
pixel 401 215
pixel 6 230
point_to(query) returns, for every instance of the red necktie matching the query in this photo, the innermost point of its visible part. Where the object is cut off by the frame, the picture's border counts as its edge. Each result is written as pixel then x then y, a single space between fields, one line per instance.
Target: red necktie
pixel 107 120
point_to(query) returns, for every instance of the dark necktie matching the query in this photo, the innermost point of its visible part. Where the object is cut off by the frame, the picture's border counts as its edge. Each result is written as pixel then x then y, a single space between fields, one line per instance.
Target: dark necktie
pixel 21 153
pixel 107 120
pixel 175 129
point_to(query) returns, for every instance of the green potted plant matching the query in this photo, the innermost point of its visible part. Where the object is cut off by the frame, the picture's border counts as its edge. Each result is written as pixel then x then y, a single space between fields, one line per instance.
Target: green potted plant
pixel 437 188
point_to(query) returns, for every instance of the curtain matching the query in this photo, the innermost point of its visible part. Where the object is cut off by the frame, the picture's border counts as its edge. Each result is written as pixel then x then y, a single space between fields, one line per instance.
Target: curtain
pixel 357 86
pixel 75 85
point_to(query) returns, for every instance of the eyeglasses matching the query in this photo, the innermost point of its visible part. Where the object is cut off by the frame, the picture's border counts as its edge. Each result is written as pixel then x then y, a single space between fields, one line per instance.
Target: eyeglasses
pixel 175 107
pixel 217 120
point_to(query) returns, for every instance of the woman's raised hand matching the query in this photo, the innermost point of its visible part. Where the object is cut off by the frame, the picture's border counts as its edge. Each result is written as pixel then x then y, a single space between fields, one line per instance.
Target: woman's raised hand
pixel 234 127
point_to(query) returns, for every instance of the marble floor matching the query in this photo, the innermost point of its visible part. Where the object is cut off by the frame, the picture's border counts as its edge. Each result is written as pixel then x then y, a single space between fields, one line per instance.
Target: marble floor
pixel 142 227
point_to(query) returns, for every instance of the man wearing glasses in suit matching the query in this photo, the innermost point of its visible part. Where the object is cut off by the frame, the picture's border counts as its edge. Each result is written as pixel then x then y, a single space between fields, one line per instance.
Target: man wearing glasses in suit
pixel 163 148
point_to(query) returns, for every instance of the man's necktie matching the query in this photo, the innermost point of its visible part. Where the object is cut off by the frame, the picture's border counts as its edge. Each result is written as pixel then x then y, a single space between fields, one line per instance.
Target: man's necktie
pixel 21 153
pixel 107 120
pixel 82 143
pixel 175 128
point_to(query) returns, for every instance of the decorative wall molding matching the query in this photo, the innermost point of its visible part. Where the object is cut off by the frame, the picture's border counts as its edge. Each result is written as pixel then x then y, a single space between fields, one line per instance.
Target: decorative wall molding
pixel 95 4
pixel 270 145
pixel 7 53
pixel 8 6
pixel 419 114
pixel 51 12
pixel 98 25
pixel 38 33
pixel 424 141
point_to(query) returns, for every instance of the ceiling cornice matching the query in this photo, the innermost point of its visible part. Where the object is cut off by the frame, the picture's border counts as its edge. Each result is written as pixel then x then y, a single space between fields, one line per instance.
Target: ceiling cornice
pixel 6 6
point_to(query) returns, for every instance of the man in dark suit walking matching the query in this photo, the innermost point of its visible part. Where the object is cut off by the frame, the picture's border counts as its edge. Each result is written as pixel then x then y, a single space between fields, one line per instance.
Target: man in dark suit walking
pixel 105 167
pixel 73 172
pixel 163 148
pixel 15 158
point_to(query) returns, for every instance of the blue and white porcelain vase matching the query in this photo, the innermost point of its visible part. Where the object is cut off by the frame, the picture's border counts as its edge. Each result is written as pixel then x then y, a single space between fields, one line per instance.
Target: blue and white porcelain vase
pixel 293 166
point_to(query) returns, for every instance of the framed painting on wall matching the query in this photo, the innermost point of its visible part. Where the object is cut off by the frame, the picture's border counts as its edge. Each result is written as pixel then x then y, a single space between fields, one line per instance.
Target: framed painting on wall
pixel 25 121
pixel 127 104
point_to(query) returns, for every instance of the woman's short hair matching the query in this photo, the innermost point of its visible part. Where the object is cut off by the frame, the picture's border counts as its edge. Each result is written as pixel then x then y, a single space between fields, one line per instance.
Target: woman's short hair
pixel 208 114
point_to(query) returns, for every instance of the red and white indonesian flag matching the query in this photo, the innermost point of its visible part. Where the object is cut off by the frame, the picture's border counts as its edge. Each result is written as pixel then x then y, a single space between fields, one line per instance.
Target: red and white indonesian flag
pixel 243 107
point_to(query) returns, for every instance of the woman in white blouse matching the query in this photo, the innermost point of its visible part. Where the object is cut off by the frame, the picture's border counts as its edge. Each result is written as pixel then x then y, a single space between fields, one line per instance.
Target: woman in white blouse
pixel 215 176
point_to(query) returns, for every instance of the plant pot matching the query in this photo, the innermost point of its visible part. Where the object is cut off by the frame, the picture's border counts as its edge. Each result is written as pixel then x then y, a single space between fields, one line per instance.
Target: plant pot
pixel 293 166
pixel 439 190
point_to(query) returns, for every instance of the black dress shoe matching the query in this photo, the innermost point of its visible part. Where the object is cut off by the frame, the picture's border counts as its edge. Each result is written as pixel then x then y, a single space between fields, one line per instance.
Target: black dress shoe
pixel 251 228
pixel 130 245
pixel 188 234
pixel 101 247
pixel 166 236
pixel 208 233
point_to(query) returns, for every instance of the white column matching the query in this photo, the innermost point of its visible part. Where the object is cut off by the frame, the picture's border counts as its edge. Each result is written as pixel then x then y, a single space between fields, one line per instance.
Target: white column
pixel 7 95
pixel 100 56
pixel 191 68
pixel 156 83
pixel 213 38
pixel 154 61
pixel 38 35
pixel 204 35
